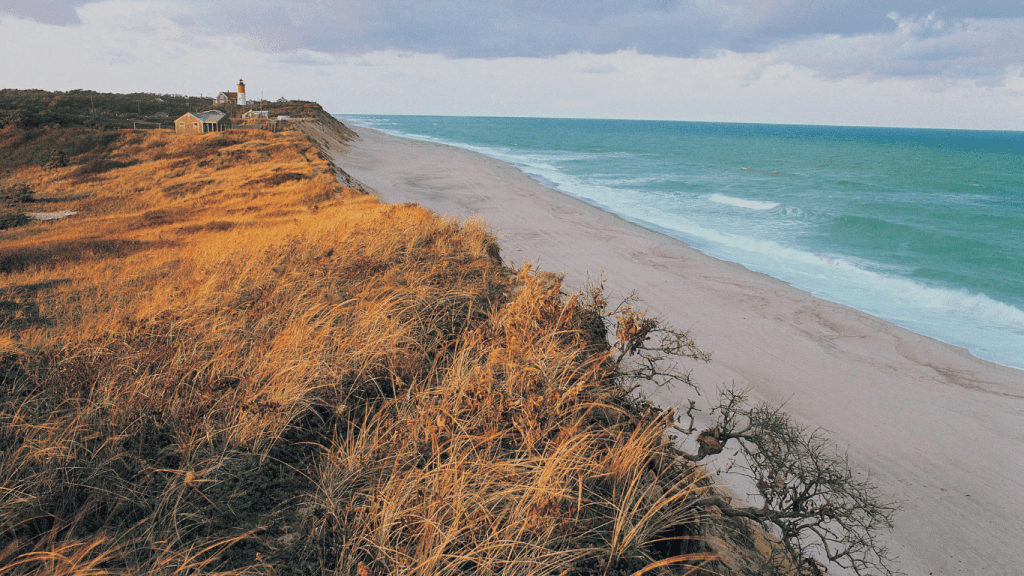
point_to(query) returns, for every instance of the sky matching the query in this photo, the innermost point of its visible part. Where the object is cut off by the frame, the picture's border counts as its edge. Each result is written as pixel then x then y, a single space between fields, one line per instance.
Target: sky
pixel 919 63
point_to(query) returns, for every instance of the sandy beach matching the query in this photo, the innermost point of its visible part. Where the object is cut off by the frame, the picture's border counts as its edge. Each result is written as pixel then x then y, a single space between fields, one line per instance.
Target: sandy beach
pixel 939 430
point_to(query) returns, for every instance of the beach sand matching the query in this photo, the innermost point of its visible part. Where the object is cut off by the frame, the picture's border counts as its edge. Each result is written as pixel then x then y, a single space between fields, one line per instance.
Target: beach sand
pixel 939 430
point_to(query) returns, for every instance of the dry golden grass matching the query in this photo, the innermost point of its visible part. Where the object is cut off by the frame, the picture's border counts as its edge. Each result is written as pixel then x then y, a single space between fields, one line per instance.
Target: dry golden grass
pixel 226 362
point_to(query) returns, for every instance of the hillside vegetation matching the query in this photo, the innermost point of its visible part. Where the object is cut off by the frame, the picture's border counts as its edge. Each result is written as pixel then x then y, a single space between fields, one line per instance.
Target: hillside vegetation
pixel 108 111
pixel 225 361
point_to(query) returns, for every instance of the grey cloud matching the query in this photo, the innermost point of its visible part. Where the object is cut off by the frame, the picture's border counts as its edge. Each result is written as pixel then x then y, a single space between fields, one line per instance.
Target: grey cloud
pixel 762 25
pixel 45 11
pixel 970 48
pixel 837 38
pixel 540 28
pixel 496 28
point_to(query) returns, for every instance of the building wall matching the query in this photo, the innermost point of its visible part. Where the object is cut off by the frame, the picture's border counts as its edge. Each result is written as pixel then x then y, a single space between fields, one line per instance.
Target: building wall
pixel 224 124
pixel 188 125
pixel 191 125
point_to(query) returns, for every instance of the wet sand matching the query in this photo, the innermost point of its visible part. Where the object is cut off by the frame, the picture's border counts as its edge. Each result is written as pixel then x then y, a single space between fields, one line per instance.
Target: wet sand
pixel 939 430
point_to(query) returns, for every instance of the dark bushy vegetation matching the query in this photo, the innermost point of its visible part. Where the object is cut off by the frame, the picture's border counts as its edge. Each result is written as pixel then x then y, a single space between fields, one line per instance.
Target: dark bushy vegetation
pixel 78 108
pixel 13 198
pixel 38 108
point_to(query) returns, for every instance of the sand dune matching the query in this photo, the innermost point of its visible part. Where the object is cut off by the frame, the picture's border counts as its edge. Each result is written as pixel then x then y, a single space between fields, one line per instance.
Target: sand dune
pixel 939 429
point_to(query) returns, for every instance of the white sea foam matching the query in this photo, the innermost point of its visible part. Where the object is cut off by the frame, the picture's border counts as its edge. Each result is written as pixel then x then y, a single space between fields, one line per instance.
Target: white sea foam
pixel 901 292
pixel 989 328
pixel 741 203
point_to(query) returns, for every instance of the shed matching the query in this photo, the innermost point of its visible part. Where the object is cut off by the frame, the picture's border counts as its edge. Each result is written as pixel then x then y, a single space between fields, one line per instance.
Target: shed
pixel 201 122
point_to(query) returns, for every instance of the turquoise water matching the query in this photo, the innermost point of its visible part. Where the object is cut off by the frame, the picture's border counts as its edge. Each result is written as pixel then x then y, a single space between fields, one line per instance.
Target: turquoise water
pixel 924 228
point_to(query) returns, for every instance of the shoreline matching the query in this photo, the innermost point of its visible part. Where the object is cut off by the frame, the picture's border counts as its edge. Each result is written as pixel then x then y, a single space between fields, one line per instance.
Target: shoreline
pixel 901 300
pixel 937 427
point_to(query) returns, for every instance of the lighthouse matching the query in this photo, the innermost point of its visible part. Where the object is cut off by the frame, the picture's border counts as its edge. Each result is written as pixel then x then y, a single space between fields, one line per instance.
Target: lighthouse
pixel 241 92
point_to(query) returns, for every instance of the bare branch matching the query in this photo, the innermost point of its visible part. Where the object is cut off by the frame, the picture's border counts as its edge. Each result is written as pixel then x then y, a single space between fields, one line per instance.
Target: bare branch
pixel 810 499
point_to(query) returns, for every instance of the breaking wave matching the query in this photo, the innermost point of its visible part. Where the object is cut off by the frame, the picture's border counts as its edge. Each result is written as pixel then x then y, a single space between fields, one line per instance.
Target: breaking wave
pixel 741 203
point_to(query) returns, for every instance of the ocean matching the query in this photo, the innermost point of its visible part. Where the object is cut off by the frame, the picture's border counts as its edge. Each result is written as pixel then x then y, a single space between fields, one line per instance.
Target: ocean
pixel 924 228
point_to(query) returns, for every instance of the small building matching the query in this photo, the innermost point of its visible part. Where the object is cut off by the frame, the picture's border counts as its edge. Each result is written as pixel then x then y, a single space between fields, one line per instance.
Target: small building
pixel 202 122
pixel 256 114
pixel 232 97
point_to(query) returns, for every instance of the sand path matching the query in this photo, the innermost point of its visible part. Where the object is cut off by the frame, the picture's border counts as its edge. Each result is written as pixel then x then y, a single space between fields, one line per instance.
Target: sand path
pixel 939 429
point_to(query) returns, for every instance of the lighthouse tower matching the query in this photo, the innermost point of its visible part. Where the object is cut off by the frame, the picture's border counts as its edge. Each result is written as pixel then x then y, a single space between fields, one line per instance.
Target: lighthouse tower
pixel 241 92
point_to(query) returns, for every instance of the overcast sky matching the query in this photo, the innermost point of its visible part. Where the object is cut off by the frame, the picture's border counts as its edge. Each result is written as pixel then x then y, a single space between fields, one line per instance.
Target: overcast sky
pixel 927 63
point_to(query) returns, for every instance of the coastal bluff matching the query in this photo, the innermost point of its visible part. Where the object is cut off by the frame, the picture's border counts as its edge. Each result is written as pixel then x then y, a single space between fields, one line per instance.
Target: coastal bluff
pixel 230 357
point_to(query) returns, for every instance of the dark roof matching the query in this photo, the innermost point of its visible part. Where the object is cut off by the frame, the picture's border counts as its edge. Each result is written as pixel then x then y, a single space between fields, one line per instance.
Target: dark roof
pixel 211 115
